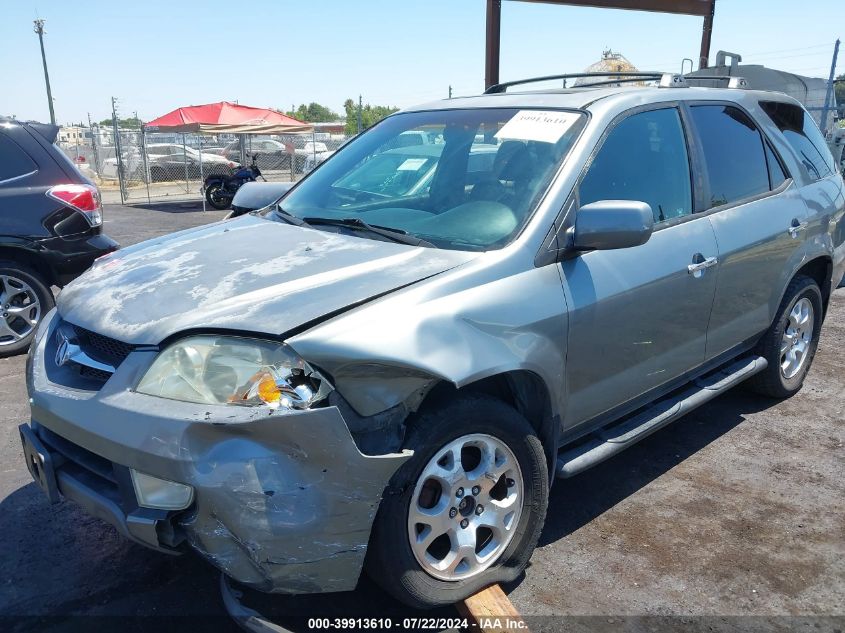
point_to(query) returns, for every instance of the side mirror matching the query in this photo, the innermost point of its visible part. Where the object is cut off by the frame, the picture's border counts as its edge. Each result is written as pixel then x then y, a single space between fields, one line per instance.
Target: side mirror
pixel 611 224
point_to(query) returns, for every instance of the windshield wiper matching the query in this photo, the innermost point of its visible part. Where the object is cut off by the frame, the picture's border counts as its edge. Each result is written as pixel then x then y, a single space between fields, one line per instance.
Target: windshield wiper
pixel 396 235
pixel 288 217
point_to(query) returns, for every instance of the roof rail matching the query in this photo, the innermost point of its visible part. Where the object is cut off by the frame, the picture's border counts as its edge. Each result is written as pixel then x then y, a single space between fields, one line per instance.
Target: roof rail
pixel 665 80
pixel 623 75
pixel 733 82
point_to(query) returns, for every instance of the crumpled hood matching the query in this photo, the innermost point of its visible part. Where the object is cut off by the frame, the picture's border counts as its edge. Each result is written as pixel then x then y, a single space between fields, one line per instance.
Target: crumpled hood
pixel 249 274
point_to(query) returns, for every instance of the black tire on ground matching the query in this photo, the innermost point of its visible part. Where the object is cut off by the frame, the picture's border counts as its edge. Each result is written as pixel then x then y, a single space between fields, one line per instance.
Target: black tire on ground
pixel 214 199
pixel 390 560
pixel 42 291
pixel 772 382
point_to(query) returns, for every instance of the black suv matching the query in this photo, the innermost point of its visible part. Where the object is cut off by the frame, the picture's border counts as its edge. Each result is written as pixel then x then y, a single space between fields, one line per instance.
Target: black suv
pixel 50 227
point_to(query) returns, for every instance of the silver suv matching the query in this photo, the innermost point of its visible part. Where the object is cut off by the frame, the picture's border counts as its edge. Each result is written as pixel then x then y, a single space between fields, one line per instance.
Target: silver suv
pixel 379 374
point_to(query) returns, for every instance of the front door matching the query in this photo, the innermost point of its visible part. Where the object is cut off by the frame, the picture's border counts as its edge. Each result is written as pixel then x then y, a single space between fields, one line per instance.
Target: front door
pixel 638 316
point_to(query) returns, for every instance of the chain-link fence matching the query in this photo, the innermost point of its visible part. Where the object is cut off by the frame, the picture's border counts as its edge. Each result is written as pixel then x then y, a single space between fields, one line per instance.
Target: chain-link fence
pixel 132 165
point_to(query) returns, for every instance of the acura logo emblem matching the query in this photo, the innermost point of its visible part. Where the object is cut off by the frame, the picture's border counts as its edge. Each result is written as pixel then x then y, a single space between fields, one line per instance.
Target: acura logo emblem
pixel 63 353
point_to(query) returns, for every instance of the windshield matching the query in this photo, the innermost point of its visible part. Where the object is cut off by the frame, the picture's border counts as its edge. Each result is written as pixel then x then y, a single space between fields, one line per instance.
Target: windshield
pixel 469 180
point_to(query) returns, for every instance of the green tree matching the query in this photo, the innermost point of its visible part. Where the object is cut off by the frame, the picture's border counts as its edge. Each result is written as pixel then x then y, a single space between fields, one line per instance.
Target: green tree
pixel 839 88
pixel 313 113
pixel 370 115
pixel 131 123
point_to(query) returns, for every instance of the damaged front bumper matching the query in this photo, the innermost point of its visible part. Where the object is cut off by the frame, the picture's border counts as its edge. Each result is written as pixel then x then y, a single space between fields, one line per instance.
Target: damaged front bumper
pixel 283 502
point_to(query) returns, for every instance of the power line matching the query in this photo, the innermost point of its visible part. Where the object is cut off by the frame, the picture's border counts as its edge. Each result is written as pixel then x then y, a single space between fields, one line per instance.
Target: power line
pixel 816 54
pixel 789 50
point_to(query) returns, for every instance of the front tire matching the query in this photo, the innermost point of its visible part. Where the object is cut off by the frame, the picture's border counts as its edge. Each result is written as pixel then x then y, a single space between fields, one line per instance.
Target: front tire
pixel 24 300
pixel 467 510
pixel 790 343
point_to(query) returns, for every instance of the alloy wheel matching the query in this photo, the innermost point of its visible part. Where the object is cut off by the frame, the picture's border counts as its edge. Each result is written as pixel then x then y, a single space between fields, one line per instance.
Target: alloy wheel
pixel 465 507
pixel 20 309
pixel 797 337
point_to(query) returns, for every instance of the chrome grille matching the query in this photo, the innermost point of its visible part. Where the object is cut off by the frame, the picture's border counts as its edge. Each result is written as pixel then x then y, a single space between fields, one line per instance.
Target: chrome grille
pixel 101 347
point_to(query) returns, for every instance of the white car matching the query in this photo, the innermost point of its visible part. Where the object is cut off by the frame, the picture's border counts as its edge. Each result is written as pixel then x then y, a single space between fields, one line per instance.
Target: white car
pixel 169 161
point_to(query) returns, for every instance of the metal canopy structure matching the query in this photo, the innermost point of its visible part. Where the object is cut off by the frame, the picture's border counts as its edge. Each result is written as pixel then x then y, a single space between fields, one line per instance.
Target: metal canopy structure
pixel 701 8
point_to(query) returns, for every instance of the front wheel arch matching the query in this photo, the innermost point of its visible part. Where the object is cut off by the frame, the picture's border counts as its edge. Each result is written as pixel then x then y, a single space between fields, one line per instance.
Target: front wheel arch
pixel 521 389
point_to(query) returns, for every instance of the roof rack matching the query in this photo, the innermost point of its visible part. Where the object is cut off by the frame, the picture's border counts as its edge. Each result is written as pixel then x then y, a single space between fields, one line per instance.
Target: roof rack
pixel 665 80
pixel 624 75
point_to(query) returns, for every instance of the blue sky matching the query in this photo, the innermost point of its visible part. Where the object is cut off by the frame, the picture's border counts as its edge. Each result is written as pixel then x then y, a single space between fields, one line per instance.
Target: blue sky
pixel 156 55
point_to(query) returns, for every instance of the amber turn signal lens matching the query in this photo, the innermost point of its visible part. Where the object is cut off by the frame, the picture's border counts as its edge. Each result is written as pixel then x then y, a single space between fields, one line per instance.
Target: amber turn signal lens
pixel 268 391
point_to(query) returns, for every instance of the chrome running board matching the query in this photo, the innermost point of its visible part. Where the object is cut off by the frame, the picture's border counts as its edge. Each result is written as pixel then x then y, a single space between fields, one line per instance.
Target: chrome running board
pixel 610 440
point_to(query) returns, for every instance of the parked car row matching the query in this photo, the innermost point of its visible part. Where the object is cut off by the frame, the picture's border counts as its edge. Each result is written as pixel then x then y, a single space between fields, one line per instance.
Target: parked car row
pixel 304 152
pixel 168 161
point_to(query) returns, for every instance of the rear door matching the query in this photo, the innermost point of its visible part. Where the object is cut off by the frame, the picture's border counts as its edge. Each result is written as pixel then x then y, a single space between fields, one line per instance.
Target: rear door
pixel 638 316
pixel 757 215
pixel 822 184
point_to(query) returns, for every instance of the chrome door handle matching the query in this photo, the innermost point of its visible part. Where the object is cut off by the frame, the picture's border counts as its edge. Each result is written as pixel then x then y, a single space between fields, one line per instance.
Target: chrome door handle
pixel 707 263
pixel 796 228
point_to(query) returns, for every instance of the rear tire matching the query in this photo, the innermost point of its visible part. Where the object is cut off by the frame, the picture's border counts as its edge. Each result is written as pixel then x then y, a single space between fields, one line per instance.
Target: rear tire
pixel 515 499
pixel 213 197
pixel 790 343
pixel 25 298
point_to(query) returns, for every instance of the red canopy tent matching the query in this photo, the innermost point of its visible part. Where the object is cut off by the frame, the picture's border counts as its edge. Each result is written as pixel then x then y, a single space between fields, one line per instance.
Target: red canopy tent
pixel 215 118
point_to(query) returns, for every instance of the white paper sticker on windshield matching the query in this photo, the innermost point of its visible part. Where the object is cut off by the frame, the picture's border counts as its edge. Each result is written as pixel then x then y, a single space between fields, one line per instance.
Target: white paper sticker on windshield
pixel 538 125
pixel 411 164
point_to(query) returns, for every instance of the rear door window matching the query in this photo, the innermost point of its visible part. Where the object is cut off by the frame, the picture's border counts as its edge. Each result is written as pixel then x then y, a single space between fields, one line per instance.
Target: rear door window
pixel 801 133
pixel 644 158
pixel 734 153
pixel 14 161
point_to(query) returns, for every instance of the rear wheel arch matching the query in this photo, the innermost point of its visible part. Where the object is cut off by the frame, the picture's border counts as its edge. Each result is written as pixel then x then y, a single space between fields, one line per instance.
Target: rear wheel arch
pixel 521 389
pixel 29 259
pixel 820 270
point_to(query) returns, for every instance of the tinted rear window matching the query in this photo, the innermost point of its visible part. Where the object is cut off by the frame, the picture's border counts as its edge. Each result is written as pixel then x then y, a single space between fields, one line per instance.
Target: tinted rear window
pixel 801 132
pixel 14 161
pixel 734 153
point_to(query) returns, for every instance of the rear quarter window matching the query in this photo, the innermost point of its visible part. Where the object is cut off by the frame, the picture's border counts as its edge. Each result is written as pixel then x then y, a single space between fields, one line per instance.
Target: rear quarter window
pixel 801 133
pixel 14 161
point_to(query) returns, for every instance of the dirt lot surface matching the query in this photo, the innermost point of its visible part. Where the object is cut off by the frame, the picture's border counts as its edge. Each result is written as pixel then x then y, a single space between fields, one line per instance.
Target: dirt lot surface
pixel 736 510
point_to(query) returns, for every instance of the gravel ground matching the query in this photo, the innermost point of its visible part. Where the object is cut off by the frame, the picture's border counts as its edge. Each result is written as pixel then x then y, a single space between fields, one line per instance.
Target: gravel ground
pixel 736 510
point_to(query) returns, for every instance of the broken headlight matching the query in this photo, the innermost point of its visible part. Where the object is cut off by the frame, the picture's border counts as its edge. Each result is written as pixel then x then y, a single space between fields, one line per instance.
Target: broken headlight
pixel 233 370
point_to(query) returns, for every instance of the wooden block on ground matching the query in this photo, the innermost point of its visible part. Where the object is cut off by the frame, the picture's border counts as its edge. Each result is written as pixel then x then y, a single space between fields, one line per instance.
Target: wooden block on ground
pixel 492 611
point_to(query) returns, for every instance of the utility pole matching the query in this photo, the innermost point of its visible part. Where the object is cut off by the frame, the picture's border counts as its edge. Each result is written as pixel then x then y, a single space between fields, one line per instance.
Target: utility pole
pixel 360 106
pixel 120 175
pixel 94 141
pixel 706 36
pixel 828 94
pixel 450 92
pixel 39 28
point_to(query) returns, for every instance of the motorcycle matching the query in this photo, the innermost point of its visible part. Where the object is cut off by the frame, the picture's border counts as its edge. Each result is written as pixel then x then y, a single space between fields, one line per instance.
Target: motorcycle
pixel 220 190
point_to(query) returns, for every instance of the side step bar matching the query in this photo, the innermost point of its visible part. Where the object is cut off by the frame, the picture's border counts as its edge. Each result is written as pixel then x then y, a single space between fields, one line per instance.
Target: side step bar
pixel 614 439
